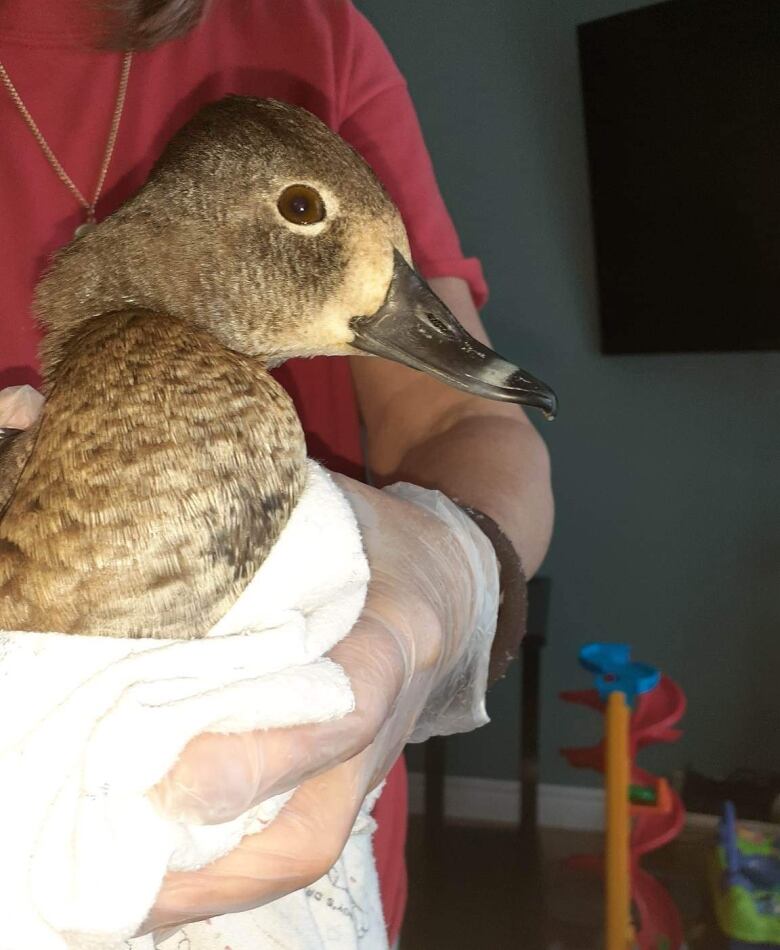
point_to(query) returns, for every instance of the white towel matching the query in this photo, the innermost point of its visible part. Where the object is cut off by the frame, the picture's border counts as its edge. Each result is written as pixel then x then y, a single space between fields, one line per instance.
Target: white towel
pixel 89 724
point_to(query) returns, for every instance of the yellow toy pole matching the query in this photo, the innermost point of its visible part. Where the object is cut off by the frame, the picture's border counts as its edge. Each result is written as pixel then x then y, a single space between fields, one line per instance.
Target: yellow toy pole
pixel 618 872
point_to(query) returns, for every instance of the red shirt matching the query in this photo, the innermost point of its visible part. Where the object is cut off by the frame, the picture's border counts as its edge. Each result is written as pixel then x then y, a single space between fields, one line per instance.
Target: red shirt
pixel 320 54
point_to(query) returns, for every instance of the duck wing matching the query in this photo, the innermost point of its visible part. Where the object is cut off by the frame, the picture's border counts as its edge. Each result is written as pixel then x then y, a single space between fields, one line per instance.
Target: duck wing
pixel 158 477
pixel 15 445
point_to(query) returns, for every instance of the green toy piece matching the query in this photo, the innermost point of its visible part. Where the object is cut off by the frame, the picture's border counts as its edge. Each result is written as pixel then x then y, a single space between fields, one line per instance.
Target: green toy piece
pixel 642 795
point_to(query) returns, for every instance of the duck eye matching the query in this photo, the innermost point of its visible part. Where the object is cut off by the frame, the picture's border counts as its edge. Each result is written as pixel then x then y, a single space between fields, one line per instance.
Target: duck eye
pixel 300 204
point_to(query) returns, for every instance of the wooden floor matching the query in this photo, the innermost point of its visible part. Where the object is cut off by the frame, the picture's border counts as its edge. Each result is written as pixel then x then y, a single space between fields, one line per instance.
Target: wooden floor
pixel 480 889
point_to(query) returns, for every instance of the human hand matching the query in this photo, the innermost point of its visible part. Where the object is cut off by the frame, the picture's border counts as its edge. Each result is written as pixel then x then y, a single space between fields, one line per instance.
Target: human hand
pixel 417 662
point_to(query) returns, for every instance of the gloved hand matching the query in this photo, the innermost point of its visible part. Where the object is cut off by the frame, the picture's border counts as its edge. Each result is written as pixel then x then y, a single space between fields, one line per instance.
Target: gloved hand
pixel 19 406
pixel 417 660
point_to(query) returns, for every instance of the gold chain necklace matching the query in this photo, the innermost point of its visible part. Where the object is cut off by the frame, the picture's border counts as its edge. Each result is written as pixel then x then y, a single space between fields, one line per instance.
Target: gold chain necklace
pixel 64 177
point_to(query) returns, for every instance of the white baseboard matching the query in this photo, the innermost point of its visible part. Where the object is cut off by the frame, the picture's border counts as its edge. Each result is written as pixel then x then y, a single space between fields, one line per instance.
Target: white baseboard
pixel 573 808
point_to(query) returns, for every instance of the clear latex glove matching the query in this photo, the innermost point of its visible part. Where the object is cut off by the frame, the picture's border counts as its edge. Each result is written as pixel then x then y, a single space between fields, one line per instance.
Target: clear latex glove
pixel 417 660
pixel 19 406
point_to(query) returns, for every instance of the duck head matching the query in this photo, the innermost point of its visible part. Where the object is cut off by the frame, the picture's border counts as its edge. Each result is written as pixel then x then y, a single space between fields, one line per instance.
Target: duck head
pixel 262 226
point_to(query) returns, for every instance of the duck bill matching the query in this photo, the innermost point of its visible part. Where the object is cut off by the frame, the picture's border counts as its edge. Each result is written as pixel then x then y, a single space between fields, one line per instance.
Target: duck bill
pixel 415 328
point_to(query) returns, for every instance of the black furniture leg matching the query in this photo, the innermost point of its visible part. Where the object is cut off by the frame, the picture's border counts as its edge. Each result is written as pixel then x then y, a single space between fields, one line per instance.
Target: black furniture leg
pixel 530 658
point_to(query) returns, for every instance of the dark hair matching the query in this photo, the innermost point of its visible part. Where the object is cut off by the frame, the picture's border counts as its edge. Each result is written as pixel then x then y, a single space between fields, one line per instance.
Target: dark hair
pixel 142 24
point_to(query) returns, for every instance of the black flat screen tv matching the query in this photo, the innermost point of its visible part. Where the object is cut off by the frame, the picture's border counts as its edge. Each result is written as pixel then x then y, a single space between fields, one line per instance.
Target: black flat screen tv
pixel 682 116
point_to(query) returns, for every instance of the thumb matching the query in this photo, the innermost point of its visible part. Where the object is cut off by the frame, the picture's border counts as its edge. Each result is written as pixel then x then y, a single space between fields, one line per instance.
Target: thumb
pixel 301 845
pixel 20 406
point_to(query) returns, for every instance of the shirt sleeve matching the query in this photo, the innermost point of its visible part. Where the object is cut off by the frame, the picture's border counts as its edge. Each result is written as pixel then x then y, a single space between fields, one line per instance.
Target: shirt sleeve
pixel 378 119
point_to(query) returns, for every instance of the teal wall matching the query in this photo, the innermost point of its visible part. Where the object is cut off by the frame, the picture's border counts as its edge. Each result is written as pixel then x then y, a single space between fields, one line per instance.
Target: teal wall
pixel 667 513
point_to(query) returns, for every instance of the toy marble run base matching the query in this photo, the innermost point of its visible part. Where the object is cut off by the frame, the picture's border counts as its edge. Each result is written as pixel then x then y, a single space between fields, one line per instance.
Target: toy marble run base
pixel 745 883
pixel 641 706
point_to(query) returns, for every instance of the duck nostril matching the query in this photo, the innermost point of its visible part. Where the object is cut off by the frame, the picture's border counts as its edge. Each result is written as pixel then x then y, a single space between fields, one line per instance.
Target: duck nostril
pixel 438 324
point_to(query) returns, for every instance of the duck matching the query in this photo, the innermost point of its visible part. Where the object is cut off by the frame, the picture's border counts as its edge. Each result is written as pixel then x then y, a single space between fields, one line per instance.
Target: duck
pixel 166 460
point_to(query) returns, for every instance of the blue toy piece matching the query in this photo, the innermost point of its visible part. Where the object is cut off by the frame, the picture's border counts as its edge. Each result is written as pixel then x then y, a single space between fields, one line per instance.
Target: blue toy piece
pixel 614 671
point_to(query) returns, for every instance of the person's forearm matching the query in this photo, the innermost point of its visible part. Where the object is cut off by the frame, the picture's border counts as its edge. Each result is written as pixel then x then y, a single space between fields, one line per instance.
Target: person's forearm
pixel 495 464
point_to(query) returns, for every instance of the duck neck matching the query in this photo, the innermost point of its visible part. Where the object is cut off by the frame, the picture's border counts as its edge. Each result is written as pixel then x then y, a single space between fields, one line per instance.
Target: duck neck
pixel 87 279
pixel 109 270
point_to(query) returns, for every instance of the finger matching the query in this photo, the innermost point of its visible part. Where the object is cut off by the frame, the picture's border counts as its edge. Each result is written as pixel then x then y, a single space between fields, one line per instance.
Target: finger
pixel 219 777
pixel 297 848
pixel 19 406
